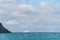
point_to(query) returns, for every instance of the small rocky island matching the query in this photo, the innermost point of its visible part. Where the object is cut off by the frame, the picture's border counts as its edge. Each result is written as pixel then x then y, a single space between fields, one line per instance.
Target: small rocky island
pixel 3 29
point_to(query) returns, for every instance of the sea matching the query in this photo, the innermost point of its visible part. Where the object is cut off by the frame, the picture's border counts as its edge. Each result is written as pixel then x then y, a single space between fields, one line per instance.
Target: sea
pixel 30 36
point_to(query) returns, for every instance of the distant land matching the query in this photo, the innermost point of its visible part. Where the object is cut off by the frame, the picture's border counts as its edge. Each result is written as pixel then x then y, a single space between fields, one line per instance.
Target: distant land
pixel 3 30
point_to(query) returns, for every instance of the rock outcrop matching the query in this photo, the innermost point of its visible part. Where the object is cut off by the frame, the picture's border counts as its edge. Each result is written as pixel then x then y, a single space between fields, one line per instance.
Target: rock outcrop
pixel 3 29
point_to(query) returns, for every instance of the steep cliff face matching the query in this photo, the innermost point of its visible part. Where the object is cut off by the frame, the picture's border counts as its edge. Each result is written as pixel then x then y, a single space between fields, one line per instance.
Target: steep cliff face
pixel 3 30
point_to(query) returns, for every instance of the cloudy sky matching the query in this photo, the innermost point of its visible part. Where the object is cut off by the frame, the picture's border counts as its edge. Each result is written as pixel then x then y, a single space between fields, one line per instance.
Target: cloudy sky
pixel 30 15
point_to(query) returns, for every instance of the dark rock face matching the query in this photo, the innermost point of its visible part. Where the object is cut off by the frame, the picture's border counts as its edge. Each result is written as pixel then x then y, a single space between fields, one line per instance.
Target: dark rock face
pixel 3 30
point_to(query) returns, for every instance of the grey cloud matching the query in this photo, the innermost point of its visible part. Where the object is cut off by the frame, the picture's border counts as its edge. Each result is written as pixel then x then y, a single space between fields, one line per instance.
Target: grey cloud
pixel 29 18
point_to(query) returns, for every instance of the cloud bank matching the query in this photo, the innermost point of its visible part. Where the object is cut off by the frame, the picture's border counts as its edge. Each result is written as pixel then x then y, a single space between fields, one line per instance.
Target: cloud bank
pixel 25 17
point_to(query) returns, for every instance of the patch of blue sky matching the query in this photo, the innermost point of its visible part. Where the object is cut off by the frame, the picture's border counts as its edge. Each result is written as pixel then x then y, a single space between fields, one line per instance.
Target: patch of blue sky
pixel 36 3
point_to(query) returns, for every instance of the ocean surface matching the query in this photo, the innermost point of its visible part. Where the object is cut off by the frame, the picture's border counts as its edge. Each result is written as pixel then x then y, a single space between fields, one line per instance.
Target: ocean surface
pixel 30 36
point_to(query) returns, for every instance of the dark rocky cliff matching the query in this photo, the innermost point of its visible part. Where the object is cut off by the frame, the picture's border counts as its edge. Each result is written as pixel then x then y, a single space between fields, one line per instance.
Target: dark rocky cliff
pixel 3 30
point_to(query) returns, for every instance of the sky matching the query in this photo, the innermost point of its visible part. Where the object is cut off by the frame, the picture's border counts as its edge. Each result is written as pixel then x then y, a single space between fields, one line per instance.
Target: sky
pixel 30 15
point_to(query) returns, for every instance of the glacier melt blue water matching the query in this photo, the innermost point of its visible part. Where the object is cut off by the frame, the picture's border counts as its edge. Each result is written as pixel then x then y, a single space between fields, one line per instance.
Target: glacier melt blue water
pixel 30 36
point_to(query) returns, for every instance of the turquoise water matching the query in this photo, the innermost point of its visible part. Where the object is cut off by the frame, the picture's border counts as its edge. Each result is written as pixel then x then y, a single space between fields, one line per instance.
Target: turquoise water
pixel 30 36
